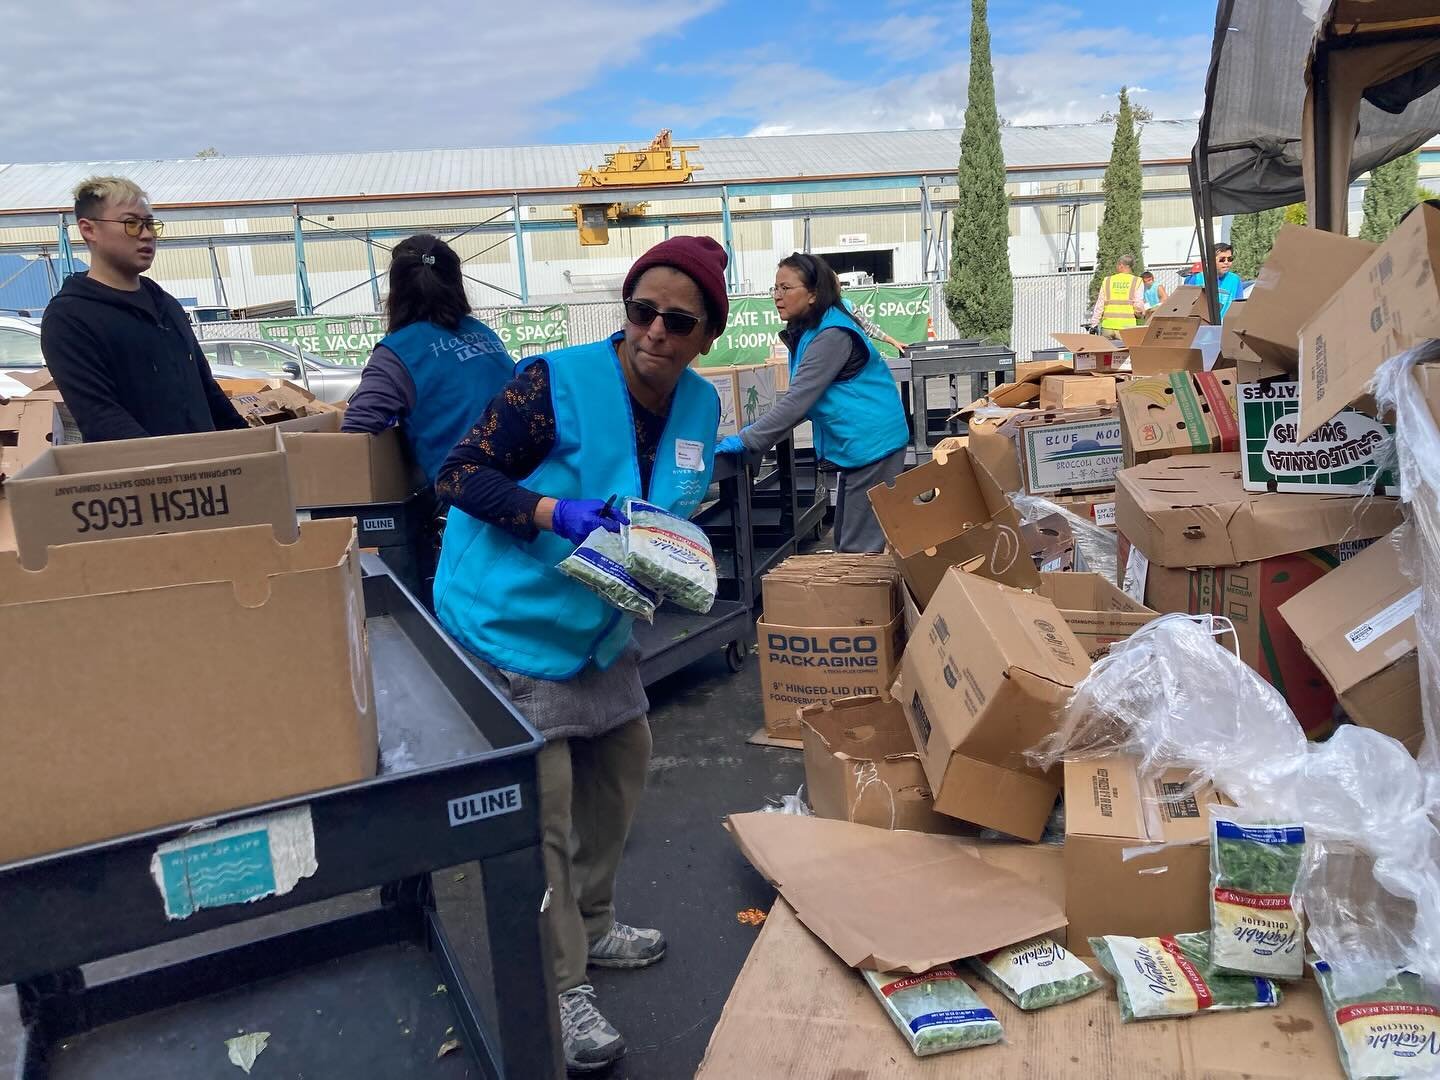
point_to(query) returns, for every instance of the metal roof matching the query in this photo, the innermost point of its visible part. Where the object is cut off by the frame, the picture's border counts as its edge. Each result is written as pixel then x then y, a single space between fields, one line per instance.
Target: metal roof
pixel 283 179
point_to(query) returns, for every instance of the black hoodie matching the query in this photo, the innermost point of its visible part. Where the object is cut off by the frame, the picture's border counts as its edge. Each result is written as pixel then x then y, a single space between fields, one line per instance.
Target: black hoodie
pixel 128 364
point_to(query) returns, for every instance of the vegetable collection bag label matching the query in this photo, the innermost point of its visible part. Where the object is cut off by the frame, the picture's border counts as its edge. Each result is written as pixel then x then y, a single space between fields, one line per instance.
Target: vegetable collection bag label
pixel 670 555
pixel 600 564
pixel 1164 976
pixel 1036 973
pixel 1255 929
pixel 1391 1032
pixel 935 1011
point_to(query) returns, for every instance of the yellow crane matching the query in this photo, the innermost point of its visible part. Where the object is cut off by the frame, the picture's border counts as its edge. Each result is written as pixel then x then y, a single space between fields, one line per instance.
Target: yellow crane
pixel 662 162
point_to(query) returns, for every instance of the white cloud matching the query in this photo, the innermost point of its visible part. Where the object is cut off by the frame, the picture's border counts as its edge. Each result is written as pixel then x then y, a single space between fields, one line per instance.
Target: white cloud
pixel 89 80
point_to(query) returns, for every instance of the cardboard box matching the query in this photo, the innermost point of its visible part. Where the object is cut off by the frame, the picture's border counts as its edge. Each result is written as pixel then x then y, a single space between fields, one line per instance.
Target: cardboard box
pixel 1358 625
pixel 993 446
pixel 747 392
pixel 832 590
pixel 1076 450
pixel 28 427
pixel 1170 344
pixel 1179 413
pixel 1092 352
pixel 800 665
pixel 947 512
pixel 1204 544
pixel 861 765
pixel 1097 612
pixel 1388 305
pixel 1050 542
pixel 798 1012
pixel 136 487
pixel 329 467
pixel 846 881
pixel 1076 391
pixel 1304 269
pixel 1344 457
pixel 191 701
pixel 1109 810
pixel 1098 507
pixel 262 401
pixel 1021 392
pixel 7 527
pixel 985 676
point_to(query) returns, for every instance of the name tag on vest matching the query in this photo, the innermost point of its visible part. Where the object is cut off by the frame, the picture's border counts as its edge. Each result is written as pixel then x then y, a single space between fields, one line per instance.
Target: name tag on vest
pixel 689 455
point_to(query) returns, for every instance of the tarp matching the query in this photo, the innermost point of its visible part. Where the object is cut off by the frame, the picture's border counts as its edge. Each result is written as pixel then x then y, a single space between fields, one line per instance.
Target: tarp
pixel 1249 154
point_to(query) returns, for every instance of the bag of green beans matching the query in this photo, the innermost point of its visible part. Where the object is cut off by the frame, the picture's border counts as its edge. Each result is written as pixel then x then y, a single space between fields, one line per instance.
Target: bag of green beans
pixel 599 563
pixel 1162 977
pixel 936 1011
pixel 1255 926
pixel 1036 974
pixel 1392 1033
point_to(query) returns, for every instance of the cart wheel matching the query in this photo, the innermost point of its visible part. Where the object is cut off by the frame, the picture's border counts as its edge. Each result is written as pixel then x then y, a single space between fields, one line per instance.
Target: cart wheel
pixel 735 654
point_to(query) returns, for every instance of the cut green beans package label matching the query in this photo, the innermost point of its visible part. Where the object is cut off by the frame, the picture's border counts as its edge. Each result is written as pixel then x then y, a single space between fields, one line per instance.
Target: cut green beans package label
pixel 670 555
pixel 1162 977
pixel 1391 1032
pixel 1036 973
pixel 600 564
pixel 936 1011
pixel 1255 928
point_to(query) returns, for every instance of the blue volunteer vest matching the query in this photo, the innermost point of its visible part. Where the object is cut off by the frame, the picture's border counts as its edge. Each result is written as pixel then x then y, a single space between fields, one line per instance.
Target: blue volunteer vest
pixel 860 421
pixel 503 598
pixel 455 377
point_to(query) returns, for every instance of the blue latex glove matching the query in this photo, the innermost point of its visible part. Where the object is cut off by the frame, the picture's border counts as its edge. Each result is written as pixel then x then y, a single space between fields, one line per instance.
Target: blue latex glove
pixel 730 444
pixel 575 519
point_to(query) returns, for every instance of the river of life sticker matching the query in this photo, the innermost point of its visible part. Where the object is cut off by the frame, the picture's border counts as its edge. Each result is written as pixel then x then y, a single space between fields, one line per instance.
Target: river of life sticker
pixel 1393 1031
pixel 236 863
pixel 1254 927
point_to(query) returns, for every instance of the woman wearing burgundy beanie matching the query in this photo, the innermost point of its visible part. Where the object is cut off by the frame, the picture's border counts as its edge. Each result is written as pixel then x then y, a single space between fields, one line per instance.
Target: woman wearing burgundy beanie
pixel 620 417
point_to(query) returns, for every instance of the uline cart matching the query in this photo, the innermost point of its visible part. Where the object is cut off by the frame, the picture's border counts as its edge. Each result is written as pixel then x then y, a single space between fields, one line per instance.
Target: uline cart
pixel 456 787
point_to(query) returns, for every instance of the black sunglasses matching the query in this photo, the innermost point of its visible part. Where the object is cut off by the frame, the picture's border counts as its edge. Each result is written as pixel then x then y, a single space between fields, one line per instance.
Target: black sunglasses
pixel 640 313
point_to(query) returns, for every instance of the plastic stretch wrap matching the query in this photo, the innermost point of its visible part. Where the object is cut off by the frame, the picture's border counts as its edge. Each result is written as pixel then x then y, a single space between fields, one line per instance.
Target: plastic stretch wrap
pixel 1098 548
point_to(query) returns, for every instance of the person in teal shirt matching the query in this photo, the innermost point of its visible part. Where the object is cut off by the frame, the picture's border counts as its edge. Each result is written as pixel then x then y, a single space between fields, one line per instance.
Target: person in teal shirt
pixel 1228 285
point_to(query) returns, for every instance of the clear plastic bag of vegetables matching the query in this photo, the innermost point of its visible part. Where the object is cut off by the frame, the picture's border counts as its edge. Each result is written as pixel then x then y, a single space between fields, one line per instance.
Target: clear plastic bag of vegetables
pixel 1255 914
pixel 1390 1032
pixel 1036 974
pixel 1166 977
pixel 936 1010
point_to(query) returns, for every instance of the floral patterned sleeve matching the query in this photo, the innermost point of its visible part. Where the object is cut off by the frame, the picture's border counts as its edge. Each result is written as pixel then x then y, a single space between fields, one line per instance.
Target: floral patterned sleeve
pixel 509 441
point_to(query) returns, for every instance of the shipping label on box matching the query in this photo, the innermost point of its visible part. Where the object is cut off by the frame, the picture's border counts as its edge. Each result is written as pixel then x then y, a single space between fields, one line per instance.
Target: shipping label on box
pixel 1076 455
pixel 1343 457
pixel 800 665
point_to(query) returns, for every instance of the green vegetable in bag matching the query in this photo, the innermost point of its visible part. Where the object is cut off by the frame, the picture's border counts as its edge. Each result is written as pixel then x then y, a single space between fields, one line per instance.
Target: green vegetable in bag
pixel 600 564
pixel 1036 974
pixel 935 1011
pixel 1164 976
pixel 1254 927
pixel 670 555
pixel 1389 1034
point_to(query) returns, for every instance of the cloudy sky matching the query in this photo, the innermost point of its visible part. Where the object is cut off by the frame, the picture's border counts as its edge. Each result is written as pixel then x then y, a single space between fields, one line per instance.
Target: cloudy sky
pixel 90 80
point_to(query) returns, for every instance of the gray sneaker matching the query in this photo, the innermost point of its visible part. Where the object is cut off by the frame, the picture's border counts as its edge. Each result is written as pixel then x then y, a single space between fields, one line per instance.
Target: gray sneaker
pixel 627 947
pixel 591 1044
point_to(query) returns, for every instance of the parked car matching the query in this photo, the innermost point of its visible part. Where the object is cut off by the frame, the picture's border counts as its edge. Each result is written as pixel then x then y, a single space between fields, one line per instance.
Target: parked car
pixel 327 380
pixel 20 354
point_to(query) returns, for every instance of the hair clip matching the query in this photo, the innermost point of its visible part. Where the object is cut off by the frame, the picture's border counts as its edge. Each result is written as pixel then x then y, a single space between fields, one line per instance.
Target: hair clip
pixel 427 259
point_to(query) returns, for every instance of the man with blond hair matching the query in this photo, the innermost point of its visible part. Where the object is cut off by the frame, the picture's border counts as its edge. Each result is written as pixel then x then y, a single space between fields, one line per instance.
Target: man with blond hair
pixel 118 345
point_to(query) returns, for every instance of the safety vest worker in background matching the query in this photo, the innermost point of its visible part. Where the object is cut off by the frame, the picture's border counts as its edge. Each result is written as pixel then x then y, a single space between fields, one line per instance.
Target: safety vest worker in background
pixel 1121 300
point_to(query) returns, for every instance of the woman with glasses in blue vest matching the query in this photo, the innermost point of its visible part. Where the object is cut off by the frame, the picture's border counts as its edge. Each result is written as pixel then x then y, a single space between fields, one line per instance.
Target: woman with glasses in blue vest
pixel 841 383
pixel 572 431
pixel 437 366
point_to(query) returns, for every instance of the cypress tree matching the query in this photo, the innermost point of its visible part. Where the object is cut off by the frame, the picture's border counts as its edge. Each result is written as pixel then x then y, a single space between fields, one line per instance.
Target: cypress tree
pixel 978 293
pixel 1392 191
pixel 1120 228
pixel 1252 236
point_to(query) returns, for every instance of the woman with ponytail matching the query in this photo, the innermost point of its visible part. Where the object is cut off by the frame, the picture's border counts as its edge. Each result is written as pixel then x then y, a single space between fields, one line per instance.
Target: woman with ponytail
pixel 437 367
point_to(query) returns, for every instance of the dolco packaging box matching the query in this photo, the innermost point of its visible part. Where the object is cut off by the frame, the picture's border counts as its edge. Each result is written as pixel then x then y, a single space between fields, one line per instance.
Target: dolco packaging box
pixel 800 665
pixel 1358 625
pixel 861 765
pixel 832 589
pixel 182 696
pixel 1193 540
pixel 983 680
pixel 1343 457
pixel 137 487
pixel 1137 851
pixel 1179 413
pixel 947 512
pixel 1077 450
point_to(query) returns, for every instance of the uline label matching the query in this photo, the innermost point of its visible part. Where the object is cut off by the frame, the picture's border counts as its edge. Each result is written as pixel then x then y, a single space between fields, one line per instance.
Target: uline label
pixel 484 804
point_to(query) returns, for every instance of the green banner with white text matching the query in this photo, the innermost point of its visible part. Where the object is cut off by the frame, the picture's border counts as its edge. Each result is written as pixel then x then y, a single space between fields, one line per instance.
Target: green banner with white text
pixel 903 312
pixel 527 331
pixel 345 339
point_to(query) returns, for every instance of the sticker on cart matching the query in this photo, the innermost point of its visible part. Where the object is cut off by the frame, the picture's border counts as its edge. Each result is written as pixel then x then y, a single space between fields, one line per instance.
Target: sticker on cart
pixel 236 863
pixel 377 524
pixel 484 804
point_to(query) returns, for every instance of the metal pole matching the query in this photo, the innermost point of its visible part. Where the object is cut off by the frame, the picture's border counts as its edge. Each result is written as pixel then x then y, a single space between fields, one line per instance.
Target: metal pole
pixel 303 303
pixel 1324 150
pixel 729 237
pixel 806 240
pixel 215 276
pixel 520 254
pixel 924 230
pixel 67 257
pixel 374 277
pixel 942 270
